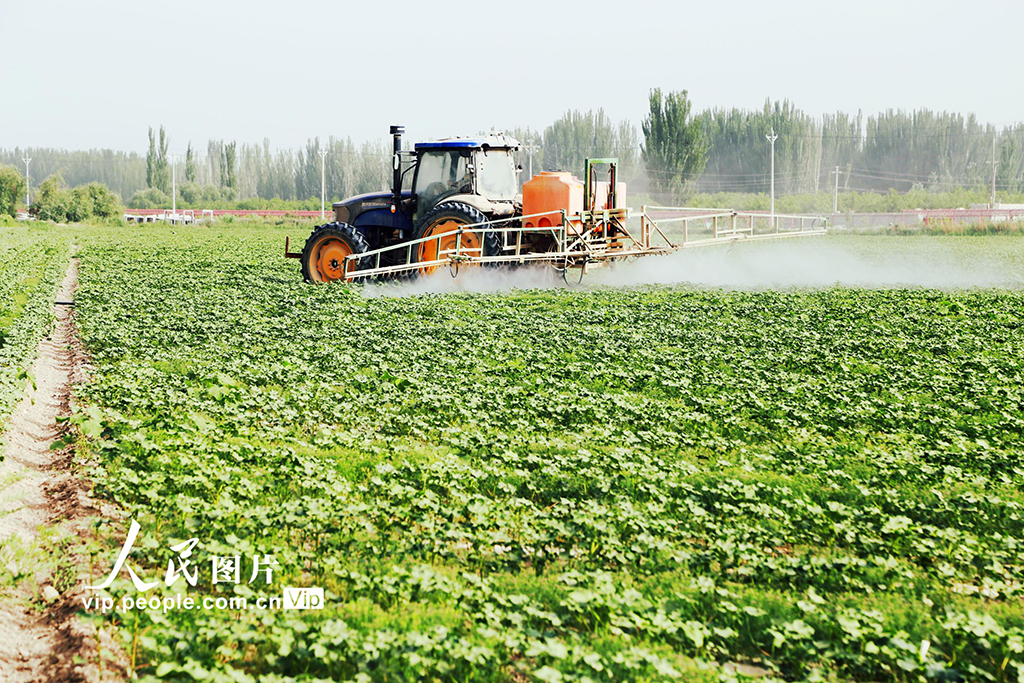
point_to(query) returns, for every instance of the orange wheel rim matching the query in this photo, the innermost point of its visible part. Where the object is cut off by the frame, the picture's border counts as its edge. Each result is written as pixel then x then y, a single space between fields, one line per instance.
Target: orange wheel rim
pixel 438 249
pixel 327 259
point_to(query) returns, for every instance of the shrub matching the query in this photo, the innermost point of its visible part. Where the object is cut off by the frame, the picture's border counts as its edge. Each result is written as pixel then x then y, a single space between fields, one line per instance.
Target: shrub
pixel 151 198
pixel 12 189
pixel 55 202
pixel 105 204
pixel 202 196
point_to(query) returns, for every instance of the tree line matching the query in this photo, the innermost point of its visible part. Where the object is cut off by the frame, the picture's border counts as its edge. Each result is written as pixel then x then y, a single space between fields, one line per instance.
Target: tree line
pixel 228 172
pixel 122 172
pixel 55 201
pixel 922 149
pixel 676 153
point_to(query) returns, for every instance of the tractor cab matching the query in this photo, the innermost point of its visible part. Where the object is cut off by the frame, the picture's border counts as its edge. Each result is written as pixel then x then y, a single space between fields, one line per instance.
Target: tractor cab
pixel 479 171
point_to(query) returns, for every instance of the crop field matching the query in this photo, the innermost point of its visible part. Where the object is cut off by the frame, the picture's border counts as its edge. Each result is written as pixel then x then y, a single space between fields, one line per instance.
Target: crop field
pixel 31 264
pixel 598 484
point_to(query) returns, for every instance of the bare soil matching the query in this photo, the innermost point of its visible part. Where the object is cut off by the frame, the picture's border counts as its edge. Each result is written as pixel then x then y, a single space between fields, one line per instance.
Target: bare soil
pixel 45 515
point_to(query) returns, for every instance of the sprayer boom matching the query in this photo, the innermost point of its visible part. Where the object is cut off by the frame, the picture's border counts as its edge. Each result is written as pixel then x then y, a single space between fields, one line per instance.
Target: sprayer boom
pixel 581 241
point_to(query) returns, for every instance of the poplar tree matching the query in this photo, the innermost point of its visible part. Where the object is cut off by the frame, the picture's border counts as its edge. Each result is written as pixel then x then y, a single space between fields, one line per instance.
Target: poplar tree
pixel 228 172
pixel 674 149
pixel 190 164
pixel 151 159
pixel 157 171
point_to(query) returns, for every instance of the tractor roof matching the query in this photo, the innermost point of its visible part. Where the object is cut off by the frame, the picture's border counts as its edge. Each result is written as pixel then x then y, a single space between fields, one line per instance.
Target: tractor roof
pixel 496 140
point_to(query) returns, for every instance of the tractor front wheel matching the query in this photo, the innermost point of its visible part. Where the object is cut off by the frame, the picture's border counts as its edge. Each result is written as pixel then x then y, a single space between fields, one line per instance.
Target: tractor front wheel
pixel 324 256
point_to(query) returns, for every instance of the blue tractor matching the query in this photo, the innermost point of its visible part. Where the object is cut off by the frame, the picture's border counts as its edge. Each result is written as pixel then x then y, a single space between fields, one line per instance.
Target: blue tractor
pixel 455 181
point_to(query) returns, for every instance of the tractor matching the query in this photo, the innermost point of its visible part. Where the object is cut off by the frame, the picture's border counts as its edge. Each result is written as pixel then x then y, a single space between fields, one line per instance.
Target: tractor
pixel 464 208
pixel 455 181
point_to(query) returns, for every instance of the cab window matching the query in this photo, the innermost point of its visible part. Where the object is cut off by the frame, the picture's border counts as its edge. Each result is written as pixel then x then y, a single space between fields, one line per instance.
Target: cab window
pixel 442 173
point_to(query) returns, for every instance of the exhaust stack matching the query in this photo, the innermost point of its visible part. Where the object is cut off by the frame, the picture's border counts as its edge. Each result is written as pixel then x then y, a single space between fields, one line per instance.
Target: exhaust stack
pixel 396 164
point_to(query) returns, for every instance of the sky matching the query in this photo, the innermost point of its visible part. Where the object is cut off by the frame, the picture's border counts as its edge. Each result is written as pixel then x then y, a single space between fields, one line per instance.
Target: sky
pixel 79 75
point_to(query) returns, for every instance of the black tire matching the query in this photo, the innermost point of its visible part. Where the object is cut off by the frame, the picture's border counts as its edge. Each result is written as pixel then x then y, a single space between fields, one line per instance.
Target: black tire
pixel 351 239
pixel 460 213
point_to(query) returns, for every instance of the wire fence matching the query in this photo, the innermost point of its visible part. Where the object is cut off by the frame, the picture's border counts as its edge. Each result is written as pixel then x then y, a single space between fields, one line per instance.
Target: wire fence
pixel 924 218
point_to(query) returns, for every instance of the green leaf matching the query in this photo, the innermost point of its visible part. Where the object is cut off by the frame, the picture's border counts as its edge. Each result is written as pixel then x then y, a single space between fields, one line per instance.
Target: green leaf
pixel 546 673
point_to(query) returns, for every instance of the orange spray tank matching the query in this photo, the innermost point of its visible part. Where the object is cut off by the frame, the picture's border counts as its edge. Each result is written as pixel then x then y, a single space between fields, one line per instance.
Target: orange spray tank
pixel 552 191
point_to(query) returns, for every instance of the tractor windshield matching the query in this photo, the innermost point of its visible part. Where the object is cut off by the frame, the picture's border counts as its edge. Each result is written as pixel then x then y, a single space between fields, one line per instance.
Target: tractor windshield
pixel 442 172
pixel 496 174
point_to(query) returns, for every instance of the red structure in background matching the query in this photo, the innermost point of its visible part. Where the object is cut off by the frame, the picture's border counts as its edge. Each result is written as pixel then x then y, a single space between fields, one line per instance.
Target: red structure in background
pixel 231 212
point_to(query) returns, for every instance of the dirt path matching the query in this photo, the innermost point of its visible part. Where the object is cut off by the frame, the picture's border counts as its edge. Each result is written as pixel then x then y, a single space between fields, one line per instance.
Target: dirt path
pixel 43 512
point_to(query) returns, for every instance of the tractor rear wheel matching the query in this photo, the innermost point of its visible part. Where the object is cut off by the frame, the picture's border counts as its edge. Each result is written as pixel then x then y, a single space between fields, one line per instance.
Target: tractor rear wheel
pixel 323 257
pixel 446 218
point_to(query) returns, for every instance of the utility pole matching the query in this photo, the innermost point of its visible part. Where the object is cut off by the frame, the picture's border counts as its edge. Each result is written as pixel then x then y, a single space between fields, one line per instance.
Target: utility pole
pixel 530 149
pixel 835 196
pixel 771 139
pixel 27 180
pixel 323 183
pixel 992 197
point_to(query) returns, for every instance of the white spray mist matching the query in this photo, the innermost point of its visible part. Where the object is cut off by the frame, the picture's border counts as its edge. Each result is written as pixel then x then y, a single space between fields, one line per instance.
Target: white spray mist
pixel 871 262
